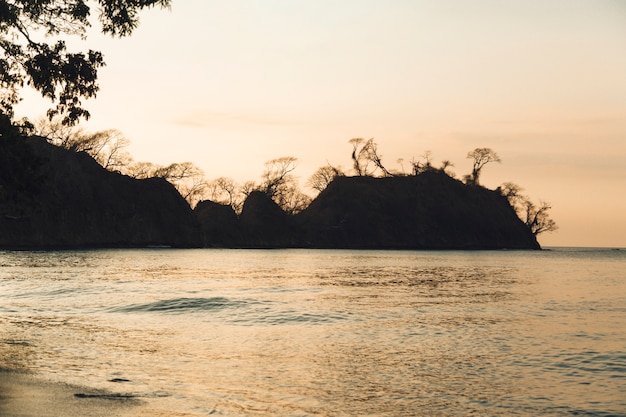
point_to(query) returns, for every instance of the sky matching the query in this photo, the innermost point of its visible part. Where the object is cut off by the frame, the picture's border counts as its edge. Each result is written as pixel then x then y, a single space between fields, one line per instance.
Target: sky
pixel 231 85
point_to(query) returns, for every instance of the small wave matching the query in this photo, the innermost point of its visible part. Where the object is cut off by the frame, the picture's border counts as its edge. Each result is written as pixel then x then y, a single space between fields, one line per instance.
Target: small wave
pixel 288 317
pixel 182 305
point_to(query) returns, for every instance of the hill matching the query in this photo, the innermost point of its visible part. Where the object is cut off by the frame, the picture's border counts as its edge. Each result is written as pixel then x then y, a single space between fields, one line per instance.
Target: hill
pixel 51 197
pixel 55 198
pixel 427 211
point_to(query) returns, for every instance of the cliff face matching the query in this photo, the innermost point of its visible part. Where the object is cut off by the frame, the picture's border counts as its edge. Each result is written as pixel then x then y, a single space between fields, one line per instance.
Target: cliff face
pixel 429 211
pixel 51 197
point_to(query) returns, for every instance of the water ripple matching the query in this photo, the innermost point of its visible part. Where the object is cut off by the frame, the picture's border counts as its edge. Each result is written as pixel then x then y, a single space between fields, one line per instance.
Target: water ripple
pixel 184 305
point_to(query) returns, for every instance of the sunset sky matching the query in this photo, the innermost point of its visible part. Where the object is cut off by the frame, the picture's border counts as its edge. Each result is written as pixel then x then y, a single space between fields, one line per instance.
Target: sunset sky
pixel 230 85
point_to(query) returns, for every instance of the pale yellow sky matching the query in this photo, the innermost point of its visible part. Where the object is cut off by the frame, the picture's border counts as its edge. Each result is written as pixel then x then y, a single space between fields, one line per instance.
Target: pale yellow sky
pixel 229 86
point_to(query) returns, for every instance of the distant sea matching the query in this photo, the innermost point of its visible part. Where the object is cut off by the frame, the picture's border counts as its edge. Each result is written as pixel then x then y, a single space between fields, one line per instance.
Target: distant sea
pixel 324 332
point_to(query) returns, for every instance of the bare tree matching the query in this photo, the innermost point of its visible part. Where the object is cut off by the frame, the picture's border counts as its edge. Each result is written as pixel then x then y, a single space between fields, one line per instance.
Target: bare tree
pixel 113 155
pixel 481 157
pixel 324 176
pixel 422 165
pixel 187 178
pixel 222 190
pixel 364 153
pixel 370 150
pixel 359 165
pixel 292 200
pixel 56 132
pixel 512 192
pixel 107 147
pixel 280 185
pixel 225 190
pixel 248 187
pixel 278 173
pixel 141 170
pixel 445 165
pixel 537 217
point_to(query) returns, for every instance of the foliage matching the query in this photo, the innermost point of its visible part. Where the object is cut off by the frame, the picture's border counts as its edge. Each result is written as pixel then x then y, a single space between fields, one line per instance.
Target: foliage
pixel 364 156
pixel 185 176
pixel 481 157
pixel 34 53
pixel 107 147
pixel 535 217
pixel 324 176
pixel 280 185
pixel 222 190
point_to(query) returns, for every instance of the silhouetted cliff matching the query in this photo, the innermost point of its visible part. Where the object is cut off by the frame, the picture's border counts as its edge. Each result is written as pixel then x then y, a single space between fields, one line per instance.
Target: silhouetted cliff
pixel 428 211
pixel 265 225
pixel 219 223
pixel 51 197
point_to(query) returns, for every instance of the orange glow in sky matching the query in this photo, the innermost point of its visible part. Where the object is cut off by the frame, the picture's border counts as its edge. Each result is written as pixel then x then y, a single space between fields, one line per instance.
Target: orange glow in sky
pixel 230 85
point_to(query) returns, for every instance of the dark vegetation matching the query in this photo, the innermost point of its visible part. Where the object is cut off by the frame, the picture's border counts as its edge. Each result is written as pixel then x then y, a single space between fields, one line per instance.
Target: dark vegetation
pixel 56 197
pixel 55 192
pixel 63 187
pixel 53 198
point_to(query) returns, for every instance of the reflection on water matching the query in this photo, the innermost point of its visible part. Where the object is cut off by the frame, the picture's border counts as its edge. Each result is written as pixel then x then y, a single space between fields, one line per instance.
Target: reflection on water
pixel 296 332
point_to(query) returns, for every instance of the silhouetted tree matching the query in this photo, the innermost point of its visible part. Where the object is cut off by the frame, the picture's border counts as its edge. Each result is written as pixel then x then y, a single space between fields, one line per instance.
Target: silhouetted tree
pixel 359 164
pixel 324 176
pixel 445 164
pixel 107 147
pixel 222 190
pixel 535 217
pixel 364 153
pixel 141 170
pixel 481 157
pixel 277 173
pixel 34 54
pixel 512 192
pixel 226 191
pixel 247 188
pixel 280 185
pixel 186 177
pixel 422 165
pixel 371 152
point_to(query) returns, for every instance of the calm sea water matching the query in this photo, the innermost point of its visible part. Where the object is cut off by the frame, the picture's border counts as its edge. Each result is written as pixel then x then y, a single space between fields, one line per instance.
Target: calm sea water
pixel 325 333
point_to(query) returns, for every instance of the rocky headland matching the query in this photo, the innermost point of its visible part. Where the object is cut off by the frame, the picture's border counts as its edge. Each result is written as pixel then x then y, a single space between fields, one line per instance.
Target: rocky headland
pixel 56 198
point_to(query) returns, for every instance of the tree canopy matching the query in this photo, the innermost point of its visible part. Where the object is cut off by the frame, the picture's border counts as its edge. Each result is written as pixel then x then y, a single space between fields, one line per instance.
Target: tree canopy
pixel 33 51
pixel 481 157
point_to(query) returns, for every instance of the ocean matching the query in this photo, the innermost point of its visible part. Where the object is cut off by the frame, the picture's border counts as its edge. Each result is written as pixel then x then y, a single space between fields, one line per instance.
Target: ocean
pixel 323 332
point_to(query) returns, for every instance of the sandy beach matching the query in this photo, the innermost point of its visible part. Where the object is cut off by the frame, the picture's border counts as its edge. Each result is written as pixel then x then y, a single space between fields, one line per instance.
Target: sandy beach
pixel 24 395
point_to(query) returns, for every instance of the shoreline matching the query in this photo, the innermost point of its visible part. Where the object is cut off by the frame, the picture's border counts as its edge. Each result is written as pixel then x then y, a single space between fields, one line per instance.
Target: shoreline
pixel 26 395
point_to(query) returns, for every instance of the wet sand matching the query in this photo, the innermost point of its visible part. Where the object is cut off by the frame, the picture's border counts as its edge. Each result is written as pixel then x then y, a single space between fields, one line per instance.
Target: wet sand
pixel 24 395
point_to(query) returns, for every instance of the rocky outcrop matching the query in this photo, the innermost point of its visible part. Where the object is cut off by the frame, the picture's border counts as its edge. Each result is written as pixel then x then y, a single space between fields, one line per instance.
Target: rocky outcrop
pixel 219 223
pixel 51 197
pixel 54 198
pixel 265 224
pixel 428 211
